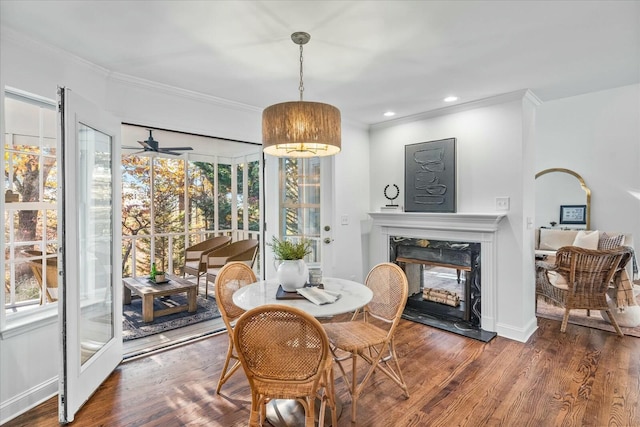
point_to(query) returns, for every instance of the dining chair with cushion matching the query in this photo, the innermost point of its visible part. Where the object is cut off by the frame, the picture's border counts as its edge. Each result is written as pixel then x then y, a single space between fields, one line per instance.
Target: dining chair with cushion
pixel 242 250
pixel 48 291
pixel 195 258
pixel 369 334
pixel 580 278
pixel 231 277
pixel 285 354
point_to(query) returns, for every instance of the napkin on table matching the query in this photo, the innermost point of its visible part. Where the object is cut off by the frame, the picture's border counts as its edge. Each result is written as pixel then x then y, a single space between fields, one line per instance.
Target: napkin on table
pixel 319 296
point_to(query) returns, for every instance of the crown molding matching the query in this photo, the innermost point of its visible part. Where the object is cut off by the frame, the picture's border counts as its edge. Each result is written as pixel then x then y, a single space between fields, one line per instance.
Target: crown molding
pixel 141 83
pixel 26 42
pixel 471 105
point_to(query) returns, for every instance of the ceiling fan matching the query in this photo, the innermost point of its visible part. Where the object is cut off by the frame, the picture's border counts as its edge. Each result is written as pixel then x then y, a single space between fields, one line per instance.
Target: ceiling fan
pixel 153 146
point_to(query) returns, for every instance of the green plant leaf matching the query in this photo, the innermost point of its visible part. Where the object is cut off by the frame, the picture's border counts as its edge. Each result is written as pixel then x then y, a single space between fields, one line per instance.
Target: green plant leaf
pixel 288 250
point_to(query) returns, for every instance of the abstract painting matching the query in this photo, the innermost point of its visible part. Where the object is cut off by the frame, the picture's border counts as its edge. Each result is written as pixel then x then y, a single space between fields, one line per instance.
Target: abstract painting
pixel 430 176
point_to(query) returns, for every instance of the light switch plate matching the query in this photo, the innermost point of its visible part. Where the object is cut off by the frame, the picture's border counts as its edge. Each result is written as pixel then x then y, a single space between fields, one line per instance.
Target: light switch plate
pixel 344 220
pixel 502 203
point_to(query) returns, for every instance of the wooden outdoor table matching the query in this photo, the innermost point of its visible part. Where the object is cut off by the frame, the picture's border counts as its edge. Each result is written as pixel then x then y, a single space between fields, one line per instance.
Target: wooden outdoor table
pixel 148 291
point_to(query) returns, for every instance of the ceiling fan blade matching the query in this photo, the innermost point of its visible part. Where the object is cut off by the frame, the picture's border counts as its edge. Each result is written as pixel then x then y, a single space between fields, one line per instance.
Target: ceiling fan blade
pixel 137 152
pixel 146 145
pixel 129 147
pixel 165 151
pixel 176 148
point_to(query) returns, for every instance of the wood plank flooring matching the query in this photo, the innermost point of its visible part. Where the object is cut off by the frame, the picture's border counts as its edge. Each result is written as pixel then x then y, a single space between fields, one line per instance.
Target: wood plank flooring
pixel 585 377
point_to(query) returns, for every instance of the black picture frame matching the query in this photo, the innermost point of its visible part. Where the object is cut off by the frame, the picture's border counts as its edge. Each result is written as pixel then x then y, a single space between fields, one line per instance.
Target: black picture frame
pixel 430 176
pixel 573 214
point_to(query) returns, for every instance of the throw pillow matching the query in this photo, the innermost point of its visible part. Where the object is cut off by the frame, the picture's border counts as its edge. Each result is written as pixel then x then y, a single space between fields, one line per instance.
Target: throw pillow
pixel 552 240
pixel 587 239
pixel 556 279
pixel 610 242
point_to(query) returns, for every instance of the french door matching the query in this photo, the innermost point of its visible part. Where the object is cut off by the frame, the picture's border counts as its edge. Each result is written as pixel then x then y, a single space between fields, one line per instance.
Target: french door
pixel 91 293
pixel 303 198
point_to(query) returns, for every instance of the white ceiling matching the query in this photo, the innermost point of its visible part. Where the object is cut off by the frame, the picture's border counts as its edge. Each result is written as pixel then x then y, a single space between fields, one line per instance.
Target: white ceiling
pixel 364 57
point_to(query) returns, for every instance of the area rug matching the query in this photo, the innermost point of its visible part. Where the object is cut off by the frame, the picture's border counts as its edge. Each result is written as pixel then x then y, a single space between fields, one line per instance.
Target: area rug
pixel 579 317
pixel 133 327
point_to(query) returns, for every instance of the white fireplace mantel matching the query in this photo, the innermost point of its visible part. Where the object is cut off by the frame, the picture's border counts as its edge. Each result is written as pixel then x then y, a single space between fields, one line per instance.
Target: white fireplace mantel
pixel 462 227
pixel 475 222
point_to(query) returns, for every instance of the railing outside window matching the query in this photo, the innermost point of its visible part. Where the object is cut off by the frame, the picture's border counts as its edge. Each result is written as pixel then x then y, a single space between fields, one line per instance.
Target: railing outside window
pixel 175 259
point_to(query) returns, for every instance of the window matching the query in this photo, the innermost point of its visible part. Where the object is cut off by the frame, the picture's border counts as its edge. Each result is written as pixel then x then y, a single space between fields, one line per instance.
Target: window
pixel 31 211
pixel 300 202
pixel 170 203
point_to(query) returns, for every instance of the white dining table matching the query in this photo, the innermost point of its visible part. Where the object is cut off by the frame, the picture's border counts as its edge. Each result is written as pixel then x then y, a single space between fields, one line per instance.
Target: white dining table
pixel 353 295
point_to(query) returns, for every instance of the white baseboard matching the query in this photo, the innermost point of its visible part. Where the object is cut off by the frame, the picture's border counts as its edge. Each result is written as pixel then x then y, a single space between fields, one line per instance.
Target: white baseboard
pixel 518 334
pixel 31 398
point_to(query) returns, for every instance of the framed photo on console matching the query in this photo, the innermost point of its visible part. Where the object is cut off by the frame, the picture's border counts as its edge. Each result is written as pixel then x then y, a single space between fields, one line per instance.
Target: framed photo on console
pixel 573 214
pixel 430 176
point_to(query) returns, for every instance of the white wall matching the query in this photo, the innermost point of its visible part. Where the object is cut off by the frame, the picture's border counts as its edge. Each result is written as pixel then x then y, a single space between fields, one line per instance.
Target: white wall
pixel 39 70
pixel 597 135
pixel 494 159
pixel 351 198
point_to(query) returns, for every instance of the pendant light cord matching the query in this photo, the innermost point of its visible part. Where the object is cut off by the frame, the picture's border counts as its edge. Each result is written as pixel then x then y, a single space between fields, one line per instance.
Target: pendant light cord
pixel 301 87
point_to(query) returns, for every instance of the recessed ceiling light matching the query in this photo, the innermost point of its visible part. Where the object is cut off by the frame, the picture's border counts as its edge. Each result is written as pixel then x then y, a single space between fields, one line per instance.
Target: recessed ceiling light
pixel 389 114
pixel 450 98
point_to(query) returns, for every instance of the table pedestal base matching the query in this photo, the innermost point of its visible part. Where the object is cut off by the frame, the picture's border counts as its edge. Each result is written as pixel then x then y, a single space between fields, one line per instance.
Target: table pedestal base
pixel 290 413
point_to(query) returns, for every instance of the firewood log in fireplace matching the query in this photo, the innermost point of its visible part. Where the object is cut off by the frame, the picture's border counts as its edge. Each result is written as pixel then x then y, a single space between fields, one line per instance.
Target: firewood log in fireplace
pixel 442 296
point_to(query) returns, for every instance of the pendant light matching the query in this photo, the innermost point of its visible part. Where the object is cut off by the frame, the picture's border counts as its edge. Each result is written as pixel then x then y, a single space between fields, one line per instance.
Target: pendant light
pixel 301 128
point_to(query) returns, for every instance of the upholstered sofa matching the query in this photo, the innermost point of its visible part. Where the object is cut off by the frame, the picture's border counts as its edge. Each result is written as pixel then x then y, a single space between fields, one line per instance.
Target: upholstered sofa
pixel 549 240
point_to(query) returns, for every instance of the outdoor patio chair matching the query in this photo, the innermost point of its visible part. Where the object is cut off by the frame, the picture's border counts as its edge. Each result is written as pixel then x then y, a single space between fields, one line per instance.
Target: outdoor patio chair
pixel 580 278
pixel 284 352
pixel 195 262
pixel 242 250
pixel 371 338
pixel 231 277
pixel 48 293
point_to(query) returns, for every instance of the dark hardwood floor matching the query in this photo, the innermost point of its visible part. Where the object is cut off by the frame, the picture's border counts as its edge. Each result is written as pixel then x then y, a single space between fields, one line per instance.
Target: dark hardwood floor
pixel 585 377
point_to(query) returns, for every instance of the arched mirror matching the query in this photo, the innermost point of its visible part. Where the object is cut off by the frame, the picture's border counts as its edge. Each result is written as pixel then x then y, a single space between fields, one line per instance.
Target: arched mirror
pixel 562 199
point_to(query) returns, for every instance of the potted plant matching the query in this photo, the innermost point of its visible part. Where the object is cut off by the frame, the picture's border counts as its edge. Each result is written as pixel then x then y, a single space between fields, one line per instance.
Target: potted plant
pixel 292 272
pixel 155 275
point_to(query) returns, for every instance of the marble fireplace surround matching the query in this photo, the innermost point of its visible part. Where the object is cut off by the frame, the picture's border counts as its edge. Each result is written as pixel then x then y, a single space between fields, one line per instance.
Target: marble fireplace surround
pixel 461 227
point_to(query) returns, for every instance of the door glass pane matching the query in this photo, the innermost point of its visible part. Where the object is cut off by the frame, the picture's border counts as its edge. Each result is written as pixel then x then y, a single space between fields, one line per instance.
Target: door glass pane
pixel 95 216
pixel 300 202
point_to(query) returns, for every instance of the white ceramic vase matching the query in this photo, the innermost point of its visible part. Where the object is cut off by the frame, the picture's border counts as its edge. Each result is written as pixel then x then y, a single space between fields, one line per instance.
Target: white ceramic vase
pixel 292 274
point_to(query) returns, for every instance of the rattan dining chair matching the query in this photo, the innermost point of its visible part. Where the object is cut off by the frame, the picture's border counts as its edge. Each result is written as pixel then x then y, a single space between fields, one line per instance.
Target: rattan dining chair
pixel 371 338
pixel 195 263
pixel 231 277
pixel 580 278
pixel 285 354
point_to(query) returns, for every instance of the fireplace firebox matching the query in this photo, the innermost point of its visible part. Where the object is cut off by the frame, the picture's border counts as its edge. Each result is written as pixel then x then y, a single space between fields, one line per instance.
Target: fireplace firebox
pixel 444 282
pixel 438 294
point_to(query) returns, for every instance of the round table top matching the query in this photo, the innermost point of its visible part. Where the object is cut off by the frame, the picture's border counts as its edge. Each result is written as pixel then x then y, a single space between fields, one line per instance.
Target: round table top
pixel 353 295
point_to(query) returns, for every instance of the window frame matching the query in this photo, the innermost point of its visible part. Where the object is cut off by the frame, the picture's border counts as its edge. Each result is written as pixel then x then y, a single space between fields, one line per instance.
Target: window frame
pixel 32 317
